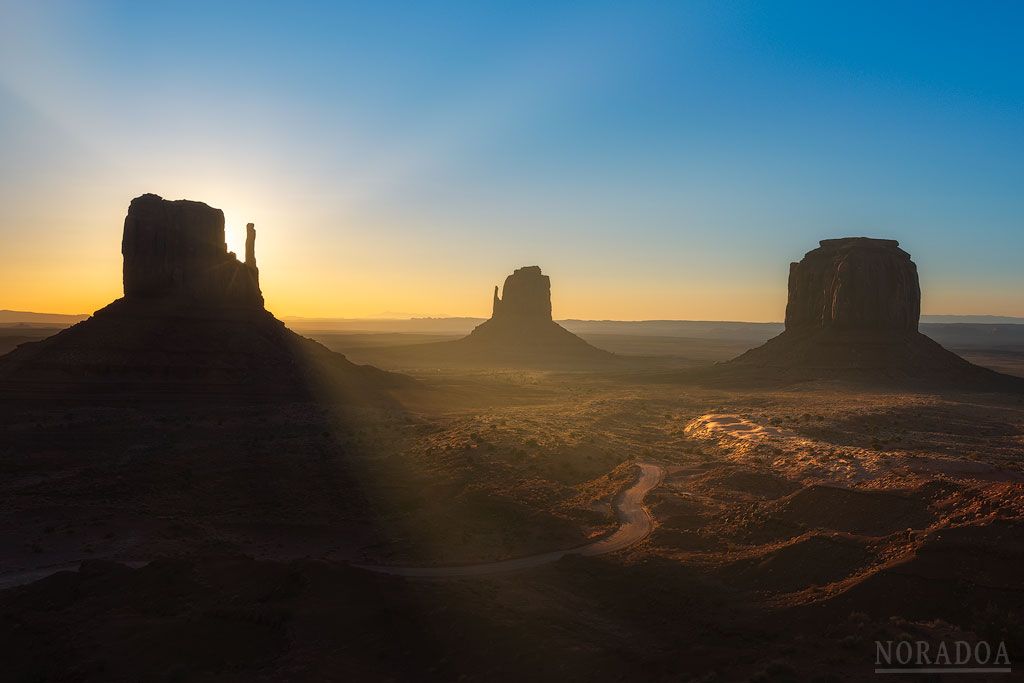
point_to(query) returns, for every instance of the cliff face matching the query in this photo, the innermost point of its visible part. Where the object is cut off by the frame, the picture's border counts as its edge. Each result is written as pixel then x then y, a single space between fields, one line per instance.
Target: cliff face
pixel 176 249
pixel 854 283
pixel 526 297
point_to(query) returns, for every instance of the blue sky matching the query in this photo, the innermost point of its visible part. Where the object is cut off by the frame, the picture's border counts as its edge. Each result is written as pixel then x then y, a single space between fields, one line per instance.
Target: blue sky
pixel 659 160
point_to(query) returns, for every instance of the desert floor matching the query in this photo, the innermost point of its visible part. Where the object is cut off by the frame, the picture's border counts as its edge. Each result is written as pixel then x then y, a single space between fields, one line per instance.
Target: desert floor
pixel 793 528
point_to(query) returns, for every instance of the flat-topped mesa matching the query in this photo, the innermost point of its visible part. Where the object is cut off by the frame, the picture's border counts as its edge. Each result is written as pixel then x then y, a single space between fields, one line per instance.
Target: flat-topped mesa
pixel 854 283
pixel 854 305
pixel 176 249
pixel 526 296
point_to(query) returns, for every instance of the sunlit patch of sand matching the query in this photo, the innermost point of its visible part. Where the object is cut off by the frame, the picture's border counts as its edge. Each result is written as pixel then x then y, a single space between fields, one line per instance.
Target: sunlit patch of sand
pixel 781 449
pixel 799 457
pixel 731 425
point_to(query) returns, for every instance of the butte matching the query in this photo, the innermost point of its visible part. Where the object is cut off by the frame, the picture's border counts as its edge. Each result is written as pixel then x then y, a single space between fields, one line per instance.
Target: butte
pixel 191 324
pixel 519 334
pixel 852 313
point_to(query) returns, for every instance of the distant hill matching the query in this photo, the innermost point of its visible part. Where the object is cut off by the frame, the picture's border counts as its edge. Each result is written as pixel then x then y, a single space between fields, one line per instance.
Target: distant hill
pixel 675 328
pixel 14 317
pixel 408 325
pixel 973 319
pixel 465 324
pixel 982 326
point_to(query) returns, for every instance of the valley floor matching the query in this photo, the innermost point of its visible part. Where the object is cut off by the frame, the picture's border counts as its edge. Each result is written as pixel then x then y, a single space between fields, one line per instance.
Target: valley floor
pixel 793 529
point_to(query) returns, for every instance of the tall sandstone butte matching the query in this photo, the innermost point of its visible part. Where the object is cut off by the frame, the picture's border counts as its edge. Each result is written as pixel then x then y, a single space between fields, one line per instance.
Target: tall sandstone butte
pixel 854 283
pixel 526 297
pixel 177 249
pixel 191 325
pixel 521 329
pixel 853 311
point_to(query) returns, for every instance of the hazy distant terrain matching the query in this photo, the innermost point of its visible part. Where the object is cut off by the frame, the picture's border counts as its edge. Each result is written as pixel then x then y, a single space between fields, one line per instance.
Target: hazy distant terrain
pixel 29 318
pixel 13 335
pixel 986 319
pixel 997 345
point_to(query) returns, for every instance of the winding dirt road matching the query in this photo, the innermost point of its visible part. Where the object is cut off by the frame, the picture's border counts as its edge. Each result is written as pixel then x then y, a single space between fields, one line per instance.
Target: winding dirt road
pixel 636 525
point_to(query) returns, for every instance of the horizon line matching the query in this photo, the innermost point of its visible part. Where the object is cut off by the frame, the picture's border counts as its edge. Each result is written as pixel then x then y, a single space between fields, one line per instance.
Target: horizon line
pixel 338 318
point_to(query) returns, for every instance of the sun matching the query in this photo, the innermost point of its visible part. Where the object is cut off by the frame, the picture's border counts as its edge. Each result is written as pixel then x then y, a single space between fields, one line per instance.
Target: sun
pixel 234 231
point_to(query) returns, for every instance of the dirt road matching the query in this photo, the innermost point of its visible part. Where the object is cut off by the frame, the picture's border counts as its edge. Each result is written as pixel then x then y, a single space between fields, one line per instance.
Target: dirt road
pixel 636 525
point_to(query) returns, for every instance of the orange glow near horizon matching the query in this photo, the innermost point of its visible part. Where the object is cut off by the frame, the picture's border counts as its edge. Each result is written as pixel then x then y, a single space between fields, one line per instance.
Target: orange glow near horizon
pixel 334 262
pixel 355 284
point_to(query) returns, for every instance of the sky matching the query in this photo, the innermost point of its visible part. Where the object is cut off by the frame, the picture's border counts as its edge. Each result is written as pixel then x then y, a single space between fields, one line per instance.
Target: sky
pixel 658 160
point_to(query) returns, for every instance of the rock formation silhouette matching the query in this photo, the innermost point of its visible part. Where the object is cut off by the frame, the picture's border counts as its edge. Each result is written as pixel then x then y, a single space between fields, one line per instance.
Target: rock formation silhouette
pixel 521 330
pixel 191 323
pixel 177 249
pixel 527 294
pixel 856 283
pixel 853 311
pixel 519 333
